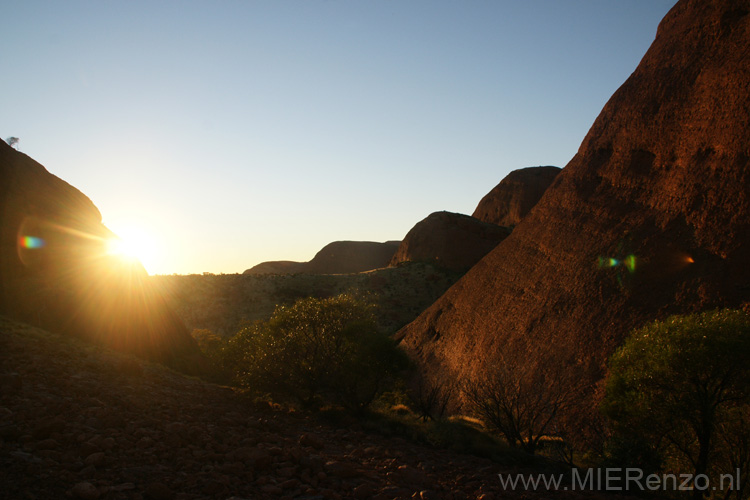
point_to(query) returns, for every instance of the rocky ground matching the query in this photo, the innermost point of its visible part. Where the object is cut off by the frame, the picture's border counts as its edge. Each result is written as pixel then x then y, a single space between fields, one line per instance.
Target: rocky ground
pixel 78 421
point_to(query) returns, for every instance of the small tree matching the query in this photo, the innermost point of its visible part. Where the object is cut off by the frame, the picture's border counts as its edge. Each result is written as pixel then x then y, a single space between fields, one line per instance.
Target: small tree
pixel 524 401
pixel 318 351
pixel 429 398
pixel 680 385
pixel 12 142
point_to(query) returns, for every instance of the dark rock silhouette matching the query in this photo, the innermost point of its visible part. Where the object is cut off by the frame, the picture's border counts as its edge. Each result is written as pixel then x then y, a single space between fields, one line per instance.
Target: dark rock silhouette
pixel 58 274
pixel 449 240
pixel 650 218
pixel 515 196
pixel 276 267
pixel 339 257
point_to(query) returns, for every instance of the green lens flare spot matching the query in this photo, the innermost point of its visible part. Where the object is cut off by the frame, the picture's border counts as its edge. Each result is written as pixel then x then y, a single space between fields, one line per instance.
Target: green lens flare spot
pixel 630 263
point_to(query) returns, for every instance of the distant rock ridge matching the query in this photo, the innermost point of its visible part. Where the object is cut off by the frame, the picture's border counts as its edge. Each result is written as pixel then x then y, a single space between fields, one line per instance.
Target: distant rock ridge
pixel 449 240
pixel 456 242
pixel 56 272
pixel 339 257
pixel 650 218
pixel 515 196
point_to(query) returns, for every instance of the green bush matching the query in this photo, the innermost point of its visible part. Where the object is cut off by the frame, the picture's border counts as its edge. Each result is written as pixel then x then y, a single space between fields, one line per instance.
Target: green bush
pixel 676 390
pixel 317 352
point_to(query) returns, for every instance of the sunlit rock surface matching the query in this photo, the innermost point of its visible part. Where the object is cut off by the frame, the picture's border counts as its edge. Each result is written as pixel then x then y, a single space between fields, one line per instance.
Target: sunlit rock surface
pixel 651 217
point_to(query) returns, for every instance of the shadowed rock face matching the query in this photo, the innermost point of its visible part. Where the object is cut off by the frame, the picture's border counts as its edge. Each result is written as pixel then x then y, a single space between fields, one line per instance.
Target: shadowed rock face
pixel 515 196
pixel 56 271
pixel 339 257
pixel 449 240
pixel 650 218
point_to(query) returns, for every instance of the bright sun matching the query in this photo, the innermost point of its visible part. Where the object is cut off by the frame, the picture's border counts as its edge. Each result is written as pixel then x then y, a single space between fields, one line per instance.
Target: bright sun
pixel 134 244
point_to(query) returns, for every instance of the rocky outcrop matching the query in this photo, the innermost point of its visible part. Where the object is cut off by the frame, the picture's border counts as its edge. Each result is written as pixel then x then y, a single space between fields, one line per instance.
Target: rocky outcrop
pixel 57 273
pixel 515 196
pixel 339 257
pixel 449 240
pixel 651 217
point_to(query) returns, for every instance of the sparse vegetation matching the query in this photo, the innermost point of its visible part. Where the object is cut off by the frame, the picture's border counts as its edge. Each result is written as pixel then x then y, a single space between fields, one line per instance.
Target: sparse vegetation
pixel 430 399
pixel 522 401
pixel 227 303
pixel 678 396
pixel 457 433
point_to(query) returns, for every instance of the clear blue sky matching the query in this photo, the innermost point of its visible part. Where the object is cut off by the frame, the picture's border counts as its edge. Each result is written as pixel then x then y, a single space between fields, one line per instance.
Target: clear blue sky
pixel 233 132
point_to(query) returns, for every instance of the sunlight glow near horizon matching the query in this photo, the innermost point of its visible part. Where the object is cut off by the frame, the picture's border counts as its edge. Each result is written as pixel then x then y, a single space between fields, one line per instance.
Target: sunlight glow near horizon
pixel 135 243
pixel 240 132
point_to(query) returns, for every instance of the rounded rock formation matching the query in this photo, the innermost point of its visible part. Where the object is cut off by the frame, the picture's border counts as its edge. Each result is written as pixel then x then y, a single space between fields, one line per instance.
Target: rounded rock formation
pixel 515 196
pixel 449 240
pixel 650 218
pixel 339 257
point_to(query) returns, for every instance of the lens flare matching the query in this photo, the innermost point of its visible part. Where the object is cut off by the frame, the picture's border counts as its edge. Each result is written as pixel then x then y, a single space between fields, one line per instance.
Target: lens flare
pixel 31 242
pixel 630 263
pixel 608 262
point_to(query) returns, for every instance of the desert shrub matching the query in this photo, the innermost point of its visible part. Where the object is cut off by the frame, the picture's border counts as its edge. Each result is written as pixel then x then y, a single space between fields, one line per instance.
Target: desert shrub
pixel 677 396
pixel 394 396
pixel 214 349
pixel 209 343
pixel 458 434
pixel 318 351
pixel 430 398
pixel 524 401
